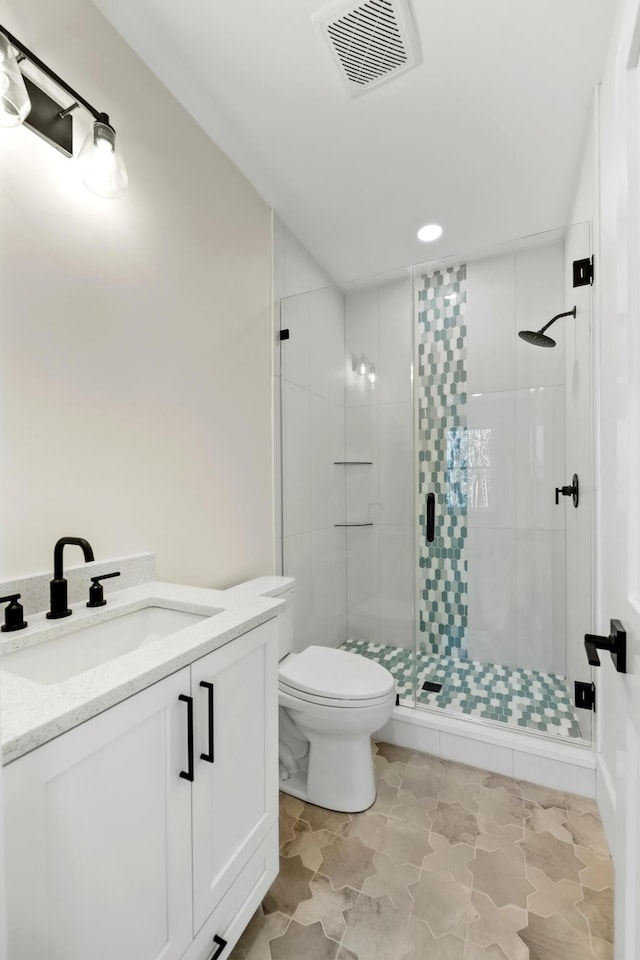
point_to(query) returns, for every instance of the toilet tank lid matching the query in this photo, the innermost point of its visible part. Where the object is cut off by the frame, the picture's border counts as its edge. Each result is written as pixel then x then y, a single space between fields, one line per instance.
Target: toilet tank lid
pixel 264 587
pixel 339 674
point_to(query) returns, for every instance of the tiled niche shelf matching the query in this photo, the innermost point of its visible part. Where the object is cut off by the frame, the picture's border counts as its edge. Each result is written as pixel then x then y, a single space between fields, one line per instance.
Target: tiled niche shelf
pixel 368 523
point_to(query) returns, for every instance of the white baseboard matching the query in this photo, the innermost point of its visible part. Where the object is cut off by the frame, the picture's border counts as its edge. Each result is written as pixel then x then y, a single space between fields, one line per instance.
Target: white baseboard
pixel 606 797
pixel 550 763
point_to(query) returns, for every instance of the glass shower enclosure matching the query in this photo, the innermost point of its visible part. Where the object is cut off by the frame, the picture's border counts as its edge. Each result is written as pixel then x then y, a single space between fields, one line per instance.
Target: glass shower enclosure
pixel 422 443
pixel 503 595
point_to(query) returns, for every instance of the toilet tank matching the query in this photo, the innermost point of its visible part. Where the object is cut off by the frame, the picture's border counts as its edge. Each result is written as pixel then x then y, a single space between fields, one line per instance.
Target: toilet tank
pixel 284 589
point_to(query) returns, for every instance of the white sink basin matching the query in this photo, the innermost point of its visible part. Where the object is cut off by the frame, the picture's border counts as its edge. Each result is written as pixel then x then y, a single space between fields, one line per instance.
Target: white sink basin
pixel 81 649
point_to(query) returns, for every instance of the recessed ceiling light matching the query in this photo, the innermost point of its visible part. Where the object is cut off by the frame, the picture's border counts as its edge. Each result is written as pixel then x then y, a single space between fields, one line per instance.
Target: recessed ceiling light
pixel 429 232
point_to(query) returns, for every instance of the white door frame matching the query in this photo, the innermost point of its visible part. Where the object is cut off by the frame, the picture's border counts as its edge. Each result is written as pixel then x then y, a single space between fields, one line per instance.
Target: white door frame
pixel 618 350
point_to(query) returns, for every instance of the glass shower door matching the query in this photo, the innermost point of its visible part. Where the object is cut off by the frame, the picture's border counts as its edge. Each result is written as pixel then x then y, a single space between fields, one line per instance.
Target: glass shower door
pixel 503 592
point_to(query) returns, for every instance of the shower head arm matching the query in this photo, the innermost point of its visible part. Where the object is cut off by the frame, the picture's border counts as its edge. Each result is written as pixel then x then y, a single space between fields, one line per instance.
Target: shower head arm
pixel 567 313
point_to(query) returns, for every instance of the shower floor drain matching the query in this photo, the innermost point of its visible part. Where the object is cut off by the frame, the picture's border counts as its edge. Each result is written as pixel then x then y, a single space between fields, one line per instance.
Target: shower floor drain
pixel 432 687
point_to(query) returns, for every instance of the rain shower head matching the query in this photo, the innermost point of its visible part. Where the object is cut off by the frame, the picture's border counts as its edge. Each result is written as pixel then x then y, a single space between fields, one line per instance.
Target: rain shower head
pixel 538 337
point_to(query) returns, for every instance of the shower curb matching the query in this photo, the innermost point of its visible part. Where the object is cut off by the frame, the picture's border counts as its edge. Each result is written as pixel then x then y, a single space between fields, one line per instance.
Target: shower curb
pixel 524 756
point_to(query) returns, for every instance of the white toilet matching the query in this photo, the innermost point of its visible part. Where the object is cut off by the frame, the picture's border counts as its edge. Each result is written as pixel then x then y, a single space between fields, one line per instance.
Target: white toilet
pixel 331 701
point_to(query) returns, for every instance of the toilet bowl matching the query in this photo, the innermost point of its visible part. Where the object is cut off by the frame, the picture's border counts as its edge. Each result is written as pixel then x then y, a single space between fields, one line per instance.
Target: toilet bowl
pixel 330 703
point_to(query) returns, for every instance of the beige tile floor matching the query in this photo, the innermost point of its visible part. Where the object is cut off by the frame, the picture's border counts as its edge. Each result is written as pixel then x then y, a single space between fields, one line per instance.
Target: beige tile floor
pixel 450 863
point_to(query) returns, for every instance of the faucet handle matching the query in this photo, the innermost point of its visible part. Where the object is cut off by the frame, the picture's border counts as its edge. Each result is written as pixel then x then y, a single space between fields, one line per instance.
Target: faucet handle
pixel 96 593
pixel 13 614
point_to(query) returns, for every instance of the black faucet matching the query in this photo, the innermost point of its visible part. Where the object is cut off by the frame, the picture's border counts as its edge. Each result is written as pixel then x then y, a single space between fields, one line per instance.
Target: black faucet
pixel 58 586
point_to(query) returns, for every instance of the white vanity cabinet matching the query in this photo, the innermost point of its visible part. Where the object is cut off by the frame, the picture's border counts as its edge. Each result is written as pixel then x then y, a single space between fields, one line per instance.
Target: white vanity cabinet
pixel 110 852
pixel 236 725
pixel 98 836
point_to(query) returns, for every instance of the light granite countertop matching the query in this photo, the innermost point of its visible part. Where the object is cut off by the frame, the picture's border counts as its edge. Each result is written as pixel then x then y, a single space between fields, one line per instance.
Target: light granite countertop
pixel 32 713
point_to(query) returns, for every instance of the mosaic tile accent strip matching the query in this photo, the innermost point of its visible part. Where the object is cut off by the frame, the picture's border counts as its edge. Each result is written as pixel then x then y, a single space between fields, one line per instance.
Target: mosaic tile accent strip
pixel 519 698
pixel 442 459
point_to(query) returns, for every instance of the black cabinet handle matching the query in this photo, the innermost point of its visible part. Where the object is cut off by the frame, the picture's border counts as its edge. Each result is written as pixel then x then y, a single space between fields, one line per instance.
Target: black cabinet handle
pixel 220 945
pixel 188 775
pixel 431 517
pixel 209 756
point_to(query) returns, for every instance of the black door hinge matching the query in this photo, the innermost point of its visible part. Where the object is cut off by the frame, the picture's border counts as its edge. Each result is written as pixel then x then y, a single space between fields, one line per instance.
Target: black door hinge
pixel 284 334
pixel 585 695
pixel 583 272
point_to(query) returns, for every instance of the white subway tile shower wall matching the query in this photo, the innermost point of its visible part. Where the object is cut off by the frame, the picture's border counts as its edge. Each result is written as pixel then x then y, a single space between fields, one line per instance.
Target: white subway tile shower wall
pixel 539 295
pixel 311 371
pixel 516 395
pixel 380 558
pixel 490 323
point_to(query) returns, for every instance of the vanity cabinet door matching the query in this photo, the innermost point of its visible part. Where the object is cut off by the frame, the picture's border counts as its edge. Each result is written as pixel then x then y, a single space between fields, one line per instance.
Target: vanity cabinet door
pixel 98 838
pixel 235 797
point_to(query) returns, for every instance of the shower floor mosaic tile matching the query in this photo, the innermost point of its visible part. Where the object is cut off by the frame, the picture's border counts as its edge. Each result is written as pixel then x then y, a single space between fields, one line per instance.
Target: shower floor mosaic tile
pixel 450 863
pixel 517 697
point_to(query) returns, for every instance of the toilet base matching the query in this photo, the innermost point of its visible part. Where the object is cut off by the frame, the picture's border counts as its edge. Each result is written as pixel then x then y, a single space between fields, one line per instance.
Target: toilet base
pixel 340 778
pixel 295 786
pixel 339 771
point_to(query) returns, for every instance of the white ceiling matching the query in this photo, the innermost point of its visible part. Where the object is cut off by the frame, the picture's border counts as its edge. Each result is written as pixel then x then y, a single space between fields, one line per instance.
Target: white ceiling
pixel 483 137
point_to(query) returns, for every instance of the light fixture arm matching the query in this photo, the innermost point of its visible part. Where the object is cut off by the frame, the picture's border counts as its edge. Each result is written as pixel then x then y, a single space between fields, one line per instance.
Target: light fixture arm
pixel 37 62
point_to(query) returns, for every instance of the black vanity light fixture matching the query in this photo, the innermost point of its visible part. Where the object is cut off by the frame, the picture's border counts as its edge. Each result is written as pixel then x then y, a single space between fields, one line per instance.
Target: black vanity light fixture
pixel 22 101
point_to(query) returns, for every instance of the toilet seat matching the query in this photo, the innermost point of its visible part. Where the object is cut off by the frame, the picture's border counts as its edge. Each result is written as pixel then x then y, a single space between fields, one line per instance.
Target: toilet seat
pixel 303 697
pixel 337 678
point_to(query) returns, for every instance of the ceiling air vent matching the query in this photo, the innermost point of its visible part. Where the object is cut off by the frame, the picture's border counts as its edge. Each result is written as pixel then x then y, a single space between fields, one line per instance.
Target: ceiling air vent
pixel 371 42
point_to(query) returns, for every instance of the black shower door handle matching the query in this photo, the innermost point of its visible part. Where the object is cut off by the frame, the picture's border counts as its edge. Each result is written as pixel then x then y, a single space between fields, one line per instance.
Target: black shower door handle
pixel 431 517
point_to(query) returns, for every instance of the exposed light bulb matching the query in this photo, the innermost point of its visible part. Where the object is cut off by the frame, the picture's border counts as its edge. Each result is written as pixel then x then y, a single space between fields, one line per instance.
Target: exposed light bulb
pixel 362 368
pixel 372 377
pixel 431 231
pixel 14 99
pixel 103 170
